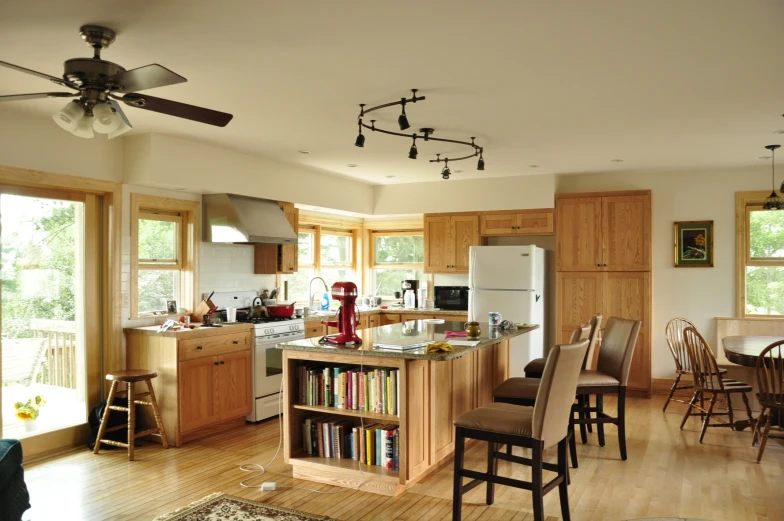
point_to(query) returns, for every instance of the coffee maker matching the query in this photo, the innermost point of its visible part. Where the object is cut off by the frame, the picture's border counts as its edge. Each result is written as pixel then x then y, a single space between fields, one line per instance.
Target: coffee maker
pixel 413 285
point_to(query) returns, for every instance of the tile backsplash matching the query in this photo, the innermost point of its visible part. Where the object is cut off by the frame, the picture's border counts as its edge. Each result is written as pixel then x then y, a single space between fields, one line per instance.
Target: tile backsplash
pixel 229 267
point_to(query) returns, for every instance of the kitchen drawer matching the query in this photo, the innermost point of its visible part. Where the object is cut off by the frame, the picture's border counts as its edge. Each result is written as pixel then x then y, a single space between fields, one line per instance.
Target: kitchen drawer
pixel 214 345
pixel 313 330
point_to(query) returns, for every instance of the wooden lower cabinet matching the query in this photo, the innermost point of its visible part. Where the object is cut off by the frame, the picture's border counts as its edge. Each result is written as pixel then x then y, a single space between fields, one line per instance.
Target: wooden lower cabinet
pixel 204 379
pixel 614 294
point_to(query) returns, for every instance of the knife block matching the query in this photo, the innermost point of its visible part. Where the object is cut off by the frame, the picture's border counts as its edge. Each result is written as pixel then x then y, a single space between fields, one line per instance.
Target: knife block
pixel 204 307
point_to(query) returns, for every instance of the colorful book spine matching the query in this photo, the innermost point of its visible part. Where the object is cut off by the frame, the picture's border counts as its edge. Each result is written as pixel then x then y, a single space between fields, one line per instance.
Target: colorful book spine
pixel 388 459
pixel 396 449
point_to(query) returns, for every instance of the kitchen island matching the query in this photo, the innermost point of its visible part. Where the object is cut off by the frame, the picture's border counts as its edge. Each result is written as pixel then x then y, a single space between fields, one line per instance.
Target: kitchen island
pixel 427 392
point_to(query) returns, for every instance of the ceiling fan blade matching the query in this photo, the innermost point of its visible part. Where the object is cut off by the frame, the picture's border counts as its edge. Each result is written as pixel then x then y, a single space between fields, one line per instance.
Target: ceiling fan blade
pixel 54 79
pixel 38 95
pixel 147 77
pixel 180 110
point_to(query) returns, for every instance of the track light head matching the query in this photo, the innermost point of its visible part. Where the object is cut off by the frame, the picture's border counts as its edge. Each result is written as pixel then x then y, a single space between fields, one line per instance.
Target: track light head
pixel 360 141
pixel 412 152
pixel 480 165
pixel 402 120
pixel 445 173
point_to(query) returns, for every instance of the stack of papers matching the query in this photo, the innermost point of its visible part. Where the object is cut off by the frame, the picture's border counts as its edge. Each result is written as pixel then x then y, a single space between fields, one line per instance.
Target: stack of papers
pixel 464 343
pixel 399 347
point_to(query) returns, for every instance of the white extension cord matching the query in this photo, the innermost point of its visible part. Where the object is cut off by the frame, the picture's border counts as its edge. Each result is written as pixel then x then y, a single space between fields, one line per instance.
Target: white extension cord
pixel 258 470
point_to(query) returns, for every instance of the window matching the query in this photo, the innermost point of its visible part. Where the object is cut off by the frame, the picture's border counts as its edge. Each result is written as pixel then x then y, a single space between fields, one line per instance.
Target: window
pixel 162 264
pixel 394 257
pixel 324 253
pixel 764 270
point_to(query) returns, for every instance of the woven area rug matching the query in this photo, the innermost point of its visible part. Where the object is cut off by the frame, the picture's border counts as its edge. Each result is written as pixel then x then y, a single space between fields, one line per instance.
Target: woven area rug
pixel 221 507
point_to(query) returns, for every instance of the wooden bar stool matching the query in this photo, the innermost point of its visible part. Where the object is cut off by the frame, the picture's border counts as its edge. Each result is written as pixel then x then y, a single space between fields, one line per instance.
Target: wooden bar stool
pixel 130 377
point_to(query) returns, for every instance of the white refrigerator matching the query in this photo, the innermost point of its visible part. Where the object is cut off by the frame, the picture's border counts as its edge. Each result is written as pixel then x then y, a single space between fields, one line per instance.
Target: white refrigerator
pixel 510 280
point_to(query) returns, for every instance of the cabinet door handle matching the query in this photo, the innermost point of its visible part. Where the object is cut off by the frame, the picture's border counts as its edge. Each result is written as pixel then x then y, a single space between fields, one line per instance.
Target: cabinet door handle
pixel 598 265
pixel 199 348
pixel 235 341
pixel 216 363
pixel 222 362
pixel 605 265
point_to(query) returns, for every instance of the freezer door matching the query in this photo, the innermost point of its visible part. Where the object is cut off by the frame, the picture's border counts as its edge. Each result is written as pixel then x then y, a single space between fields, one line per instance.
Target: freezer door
pixel 516 306
pixel 502 267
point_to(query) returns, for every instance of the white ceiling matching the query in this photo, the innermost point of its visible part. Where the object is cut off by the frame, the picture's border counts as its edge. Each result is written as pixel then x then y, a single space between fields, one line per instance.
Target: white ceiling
pixel 568 85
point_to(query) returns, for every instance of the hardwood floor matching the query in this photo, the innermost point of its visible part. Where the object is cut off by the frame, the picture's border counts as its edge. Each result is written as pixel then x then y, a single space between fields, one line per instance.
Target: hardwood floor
pixel 668 474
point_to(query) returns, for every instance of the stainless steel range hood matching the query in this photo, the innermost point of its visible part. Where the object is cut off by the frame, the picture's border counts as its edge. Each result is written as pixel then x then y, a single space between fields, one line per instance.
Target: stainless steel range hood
pixel 232 218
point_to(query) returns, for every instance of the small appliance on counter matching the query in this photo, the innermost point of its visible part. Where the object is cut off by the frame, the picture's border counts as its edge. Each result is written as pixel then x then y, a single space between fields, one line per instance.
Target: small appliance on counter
pixel 452 298
pixel 413 285
pixel 347 322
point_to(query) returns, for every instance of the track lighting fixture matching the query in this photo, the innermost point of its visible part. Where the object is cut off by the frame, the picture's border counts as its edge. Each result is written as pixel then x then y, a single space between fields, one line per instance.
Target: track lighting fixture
pixel 412 152
pixel 773 202
pixel 402 120
pixel 360 142
pixel 425 133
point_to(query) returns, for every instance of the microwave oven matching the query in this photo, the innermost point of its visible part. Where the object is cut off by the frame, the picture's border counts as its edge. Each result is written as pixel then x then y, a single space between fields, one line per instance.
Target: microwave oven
pixel 453 298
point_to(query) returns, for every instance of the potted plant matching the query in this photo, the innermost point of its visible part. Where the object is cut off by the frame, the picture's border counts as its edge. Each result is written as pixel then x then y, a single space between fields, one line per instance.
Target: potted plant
pixel 28 411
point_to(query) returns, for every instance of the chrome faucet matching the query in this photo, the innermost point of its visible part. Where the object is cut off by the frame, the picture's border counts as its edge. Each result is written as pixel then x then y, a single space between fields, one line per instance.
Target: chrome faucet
pixel 310 292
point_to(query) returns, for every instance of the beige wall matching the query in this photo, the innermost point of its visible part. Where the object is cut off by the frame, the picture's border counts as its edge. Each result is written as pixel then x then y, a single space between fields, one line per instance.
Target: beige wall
pixel 168 162
pixel 454 195
pixel 29 141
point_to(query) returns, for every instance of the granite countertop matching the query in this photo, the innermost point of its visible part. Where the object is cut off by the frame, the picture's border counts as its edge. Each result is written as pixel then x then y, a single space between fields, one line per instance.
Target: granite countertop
pixel 395 311
pixel 406 333
pixel 190 333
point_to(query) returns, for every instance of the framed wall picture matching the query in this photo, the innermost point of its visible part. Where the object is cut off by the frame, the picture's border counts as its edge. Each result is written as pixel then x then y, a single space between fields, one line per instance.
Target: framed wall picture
pixel 694 244
pixel 171 306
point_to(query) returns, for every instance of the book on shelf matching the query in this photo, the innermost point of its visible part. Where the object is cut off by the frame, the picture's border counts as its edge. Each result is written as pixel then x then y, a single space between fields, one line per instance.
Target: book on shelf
pixel 343 387
pixel 328 436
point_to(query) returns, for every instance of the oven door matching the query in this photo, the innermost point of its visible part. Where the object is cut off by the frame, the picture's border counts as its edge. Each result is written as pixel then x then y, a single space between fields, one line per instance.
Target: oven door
pixel 267 368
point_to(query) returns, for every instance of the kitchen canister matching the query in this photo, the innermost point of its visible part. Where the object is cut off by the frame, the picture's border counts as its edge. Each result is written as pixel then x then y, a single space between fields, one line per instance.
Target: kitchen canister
pixel 494 318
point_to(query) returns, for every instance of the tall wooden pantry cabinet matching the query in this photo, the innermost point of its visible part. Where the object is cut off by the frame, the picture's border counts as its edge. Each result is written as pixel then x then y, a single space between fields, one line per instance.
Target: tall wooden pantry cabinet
pixel 603 264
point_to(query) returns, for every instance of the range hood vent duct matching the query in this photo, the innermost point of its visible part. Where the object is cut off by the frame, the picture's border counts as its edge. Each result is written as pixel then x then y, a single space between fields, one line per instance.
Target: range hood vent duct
pixel 237 219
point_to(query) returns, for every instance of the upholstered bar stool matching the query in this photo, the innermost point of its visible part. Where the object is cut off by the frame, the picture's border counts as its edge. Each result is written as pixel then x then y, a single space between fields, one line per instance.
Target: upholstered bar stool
pixel 538 428
pixel 130 377
pixel 522 391
pixel 610 377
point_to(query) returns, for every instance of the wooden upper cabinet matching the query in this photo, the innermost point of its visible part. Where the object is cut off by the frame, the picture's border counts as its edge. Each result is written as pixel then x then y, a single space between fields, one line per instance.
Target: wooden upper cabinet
pixel 578 238
pixel 466 234
pixel 603 232
pixel 447 241
pixel 437 240
pixel 270 259
pixel 288 252
pixel 626 224
pixel 517 222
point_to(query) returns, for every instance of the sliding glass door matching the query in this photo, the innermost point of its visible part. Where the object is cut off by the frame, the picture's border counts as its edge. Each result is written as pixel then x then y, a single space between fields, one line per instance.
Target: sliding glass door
pixel 43 358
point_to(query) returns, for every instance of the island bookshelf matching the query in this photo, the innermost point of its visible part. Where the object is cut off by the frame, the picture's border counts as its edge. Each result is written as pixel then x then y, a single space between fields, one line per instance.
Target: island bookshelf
pixel 432 393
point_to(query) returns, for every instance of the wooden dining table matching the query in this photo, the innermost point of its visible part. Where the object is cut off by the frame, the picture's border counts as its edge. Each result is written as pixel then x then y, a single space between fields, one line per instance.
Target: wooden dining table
pixel 744 350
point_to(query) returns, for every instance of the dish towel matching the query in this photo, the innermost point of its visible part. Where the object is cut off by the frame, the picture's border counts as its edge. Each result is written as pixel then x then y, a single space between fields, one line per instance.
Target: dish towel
pixel 455 334
pixel 438 347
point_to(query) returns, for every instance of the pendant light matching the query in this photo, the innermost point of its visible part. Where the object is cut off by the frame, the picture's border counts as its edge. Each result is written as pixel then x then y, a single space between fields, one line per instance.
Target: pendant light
pixel 773 202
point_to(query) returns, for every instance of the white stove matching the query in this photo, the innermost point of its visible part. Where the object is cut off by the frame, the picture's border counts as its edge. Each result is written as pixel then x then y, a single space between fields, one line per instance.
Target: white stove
pixel 266 359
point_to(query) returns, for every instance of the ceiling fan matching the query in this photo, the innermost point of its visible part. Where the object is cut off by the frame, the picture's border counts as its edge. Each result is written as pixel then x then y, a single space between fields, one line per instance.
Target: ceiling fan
pixel 101 85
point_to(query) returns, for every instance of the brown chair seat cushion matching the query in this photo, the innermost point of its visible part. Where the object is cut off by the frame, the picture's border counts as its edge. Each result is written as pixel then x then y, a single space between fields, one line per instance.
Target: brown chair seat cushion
pixel 589 378
pixel 502 418
pixel 518 388
pixel 535 366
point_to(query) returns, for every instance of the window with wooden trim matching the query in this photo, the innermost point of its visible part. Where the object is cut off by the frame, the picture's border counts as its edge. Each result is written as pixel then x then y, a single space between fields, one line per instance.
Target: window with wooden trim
pixel 163 254
pixel 394 257
pixel 764 261
pixel 326 253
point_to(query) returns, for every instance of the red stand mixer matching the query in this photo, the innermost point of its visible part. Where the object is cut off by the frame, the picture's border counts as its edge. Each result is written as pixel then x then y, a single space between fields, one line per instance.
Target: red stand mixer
pixel 347 322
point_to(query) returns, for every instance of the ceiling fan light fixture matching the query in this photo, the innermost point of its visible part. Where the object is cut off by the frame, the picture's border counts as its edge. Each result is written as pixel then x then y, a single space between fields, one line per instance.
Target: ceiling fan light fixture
pixel 69 116
pixel 106 119
pixel 84 128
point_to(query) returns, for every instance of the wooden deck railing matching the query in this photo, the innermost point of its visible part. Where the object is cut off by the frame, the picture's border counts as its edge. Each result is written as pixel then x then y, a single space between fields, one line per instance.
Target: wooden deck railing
pixel 59 365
